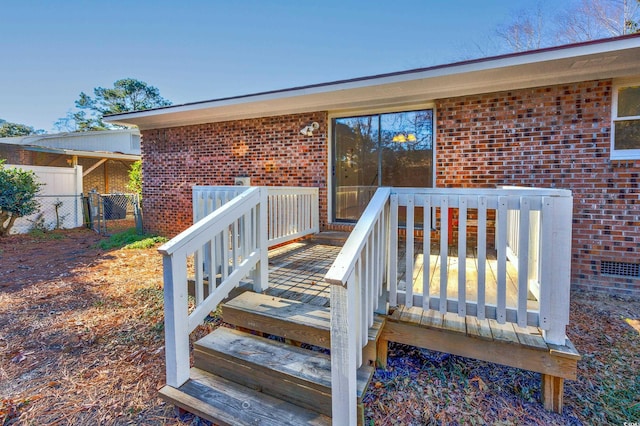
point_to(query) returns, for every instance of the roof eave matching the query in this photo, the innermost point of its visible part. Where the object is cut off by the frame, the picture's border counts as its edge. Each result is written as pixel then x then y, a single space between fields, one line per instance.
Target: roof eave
pixel 611 58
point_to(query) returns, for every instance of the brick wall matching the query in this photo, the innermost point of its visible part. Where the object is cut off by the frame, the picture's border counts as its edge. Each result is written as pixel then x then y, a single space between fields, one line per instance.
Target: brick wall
pixel 14 154
pixel 271 151
pixel 556 136
pixel 550 137
pixel 115 181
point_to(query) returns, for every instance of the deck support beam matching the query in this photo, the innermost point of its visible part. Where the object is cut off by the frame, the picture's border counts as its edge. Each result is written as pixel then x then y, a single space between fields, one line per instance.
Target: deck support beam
pixel 554 364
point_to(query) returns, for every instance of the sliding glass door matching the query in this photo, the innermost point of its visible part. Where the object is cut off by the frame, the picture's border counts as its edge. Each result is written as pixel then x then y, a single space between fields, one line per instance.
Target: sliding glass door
pixel 394 149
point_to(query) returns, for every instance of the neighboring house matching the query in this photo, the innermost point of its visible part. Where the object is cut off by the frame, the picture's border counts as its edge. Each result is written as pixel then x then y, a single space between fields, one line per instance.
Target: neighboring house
pixel 564 117
pixel 105 156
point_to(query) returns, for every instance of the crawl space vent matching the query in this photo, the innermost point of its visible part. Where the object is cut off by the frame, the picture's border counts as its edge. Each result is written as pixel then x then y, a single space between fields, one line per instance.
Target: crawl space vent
pixel 620 269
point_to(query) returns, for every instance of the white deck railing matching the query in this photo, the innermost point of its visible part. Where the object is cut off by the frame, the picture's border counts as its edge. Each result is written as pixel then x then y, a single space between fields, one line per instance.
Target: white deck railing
pixel 236 241
pixel 227 243
pixel 554 209
pixel 355 273
pixel 358 275
pixel 292 212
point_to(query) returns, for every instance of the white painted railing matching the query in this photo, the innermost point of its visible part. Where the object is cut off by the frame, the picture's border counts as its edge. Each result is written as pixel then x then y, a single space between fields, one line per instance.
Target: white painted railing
pixel 228 242
pixel 234 239
pixel 371 248
pixel 554 208
pixel 292 211
pixel 513 246
pixel 355 197
pixel 206 199
pixel 358 275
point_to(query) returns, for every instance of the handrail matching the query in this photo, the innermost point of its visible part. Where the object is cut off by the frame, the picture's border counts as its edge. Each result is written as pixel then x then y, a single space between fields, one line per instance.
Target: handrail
pixel 357 275
pixel 232 231
pixel 292 212
pixel 233 238
pixel 346 260
pixel 358 286
pixel 201 229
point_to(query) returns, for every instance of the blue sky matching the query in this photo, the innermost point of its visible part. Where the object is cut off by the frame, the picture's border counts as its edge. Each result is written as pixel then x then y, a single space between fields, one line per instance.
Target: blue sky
pixel 52 50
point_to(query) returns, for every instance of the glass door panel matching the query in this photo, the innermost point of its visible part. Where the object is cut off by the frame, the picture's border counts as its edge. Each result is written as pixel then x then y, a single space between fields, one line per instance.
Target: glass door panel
pixel 355 164
pixel 394 149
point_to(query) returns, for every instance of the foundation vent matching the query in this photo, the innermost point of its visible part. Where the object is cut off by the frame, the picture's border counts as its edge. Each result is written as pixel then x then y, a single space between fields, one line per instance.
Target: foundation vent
pixel 620 269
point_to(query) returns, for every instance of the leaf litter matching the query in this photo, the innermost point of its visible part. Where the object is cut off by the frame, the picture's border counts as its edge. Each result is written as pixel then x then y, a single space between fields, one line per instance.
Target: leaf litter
pixel 81 339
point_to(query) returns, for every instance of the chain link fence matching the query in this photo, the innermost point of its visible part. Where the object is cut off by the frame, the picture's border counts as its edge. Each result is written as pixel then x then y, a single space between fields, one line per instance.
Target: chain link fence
pixel 55 212
pixel 111 213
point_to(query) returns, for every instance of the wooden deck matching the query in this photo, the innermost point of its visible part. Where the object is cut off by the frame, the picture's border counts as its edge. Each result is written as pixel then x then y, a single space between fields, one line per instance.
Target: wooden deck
pixel 297 270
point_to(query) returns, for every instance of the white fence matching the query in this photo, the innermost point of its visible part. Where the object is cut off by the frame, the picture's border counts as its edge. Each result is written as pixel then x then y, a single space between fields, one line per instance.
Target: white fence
pixel 357 285
pixel 60 199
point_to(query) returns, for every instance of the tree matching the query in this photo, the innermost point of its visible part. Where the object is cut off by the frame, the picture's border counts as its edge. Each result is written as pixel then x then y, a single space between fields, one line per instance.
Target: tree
pixel 580 20
pixel 525 32
pixel 8 129
pixel 126 95
pixel 594 19
pixel 18 189
pixel 135 178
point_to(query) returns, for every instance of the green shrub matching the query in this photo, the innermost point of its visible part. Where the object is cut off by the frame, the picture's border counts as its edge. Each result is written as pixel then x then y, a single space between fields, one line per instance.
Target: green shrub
pixel 18 190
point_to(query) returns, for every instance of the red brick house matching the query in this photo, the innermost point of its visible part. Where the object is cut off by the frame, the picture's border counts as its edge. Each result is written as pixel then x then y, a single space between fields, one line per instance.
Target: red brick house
pixel 565 117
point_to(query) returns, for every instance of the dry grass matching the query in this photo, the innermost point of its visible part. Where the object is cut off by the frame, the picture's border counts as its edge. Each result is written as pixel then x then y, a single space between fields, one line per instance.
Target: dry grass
pixel 81 342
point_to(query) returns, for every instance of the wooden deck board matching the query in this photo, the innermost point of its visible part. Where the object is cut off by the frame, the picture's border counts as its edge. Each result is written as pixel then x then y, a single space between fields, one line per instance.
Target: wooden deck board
pixel 297 270
pixel 479 328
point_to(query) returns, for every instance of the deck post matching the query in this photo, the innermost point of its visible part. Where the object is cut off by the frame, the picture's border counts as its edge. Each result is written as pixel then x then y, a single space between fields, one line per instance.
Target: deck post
pixel 176 322
pixel 556 217
pixel 343 355
pixel 261 273
pixel 552 393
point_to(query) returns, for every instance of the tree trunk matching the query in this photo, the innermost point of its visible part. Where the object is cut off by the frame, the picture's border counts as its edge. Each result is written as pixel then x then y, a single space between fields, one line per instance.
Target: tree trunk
pixel 6 222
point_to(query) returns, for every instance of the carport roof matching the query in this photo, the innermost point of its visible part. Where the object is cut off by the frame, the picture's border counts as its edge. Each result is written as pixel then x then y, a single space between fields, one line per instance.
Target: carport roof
pixel 601 59
pixel 84 154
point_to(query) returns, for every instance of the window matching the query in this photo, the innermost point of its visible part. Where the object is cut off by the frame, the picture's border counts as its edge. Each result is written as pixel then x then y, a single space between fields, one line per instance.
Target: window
pixel 393 149
pixel 625 128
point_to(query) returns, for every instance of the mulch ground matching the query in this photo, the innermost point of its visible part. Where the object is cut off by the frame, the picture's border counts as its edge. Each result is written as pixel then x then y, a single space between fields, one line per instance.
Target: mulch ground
pixel 81 342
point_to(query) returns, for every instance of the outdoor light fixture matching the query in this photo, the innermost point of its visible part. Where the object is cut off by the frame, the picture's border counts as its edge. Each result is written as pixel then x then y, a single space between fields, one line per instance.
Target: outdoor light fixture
pixel 404 137
pixel 308 130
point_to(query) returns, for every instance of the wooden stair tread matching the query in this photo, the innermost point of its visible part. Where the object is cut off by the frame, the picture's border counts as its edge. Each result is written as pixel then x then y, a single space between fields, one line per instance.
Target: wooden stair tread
pixel 227 403
pixel 298 321
pixel 336 238
pixel 308 368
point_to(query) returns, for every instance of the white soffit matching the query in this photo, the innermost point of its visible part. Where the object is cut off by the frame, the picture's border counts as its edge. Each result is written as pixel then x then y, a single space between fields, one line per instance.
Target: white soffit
pixel 613 58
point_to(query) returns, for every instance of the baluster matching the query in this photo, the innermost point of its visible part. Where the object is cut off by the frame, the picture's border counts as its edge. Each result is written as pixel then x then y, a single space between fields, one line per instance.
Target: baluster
pixel 462 257
pixel 501 248
pixel 482 255
pixel 444 249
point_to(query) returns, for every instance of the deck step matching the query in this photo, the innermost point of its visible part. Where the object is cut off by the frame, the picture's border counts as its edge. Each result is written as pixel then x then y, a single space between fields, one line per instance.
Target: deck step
pixel 300 376
pixel 297 321
pixel 331 238
pixel 224 402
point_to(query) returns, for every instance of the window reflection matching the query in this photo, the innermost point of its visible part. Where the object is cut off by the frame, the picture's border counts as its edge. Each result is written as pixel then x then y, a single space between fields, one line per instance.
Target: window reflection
pixel 394 149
